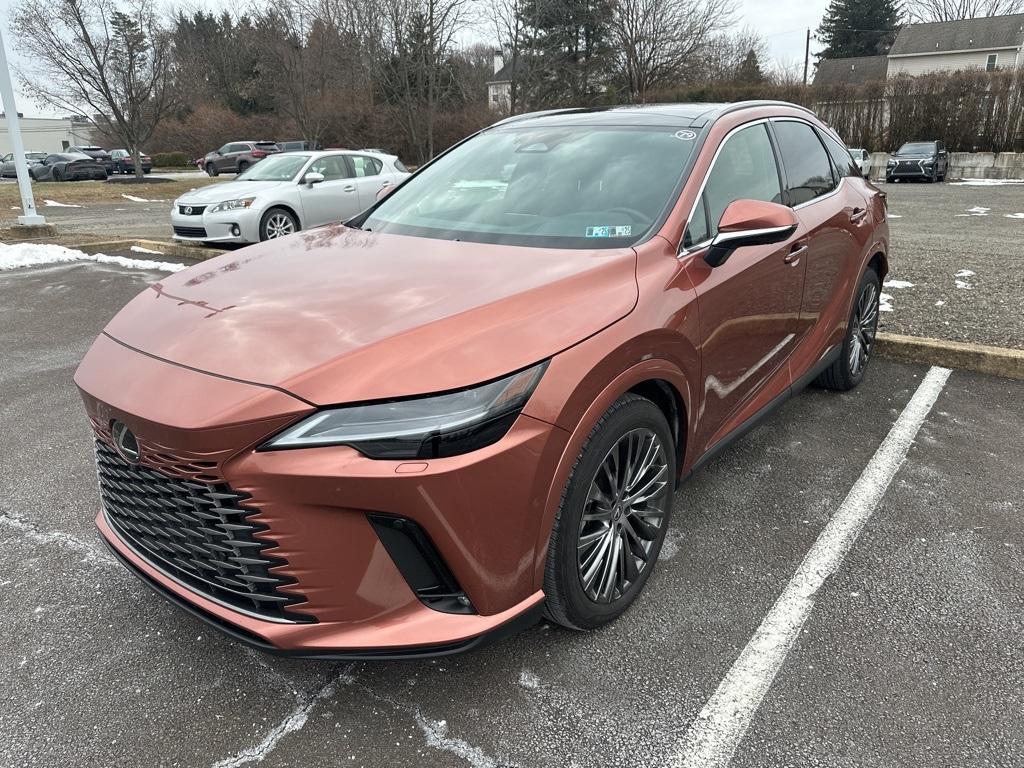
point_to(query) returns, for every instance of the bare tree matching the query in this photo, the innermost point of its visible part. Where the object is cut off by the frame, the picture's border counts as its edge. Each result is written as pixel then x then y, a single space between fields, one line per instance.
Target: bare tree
pixel 108 60
pixel 506 19
pixel 953 10
pixel 723 54
pixel 656 39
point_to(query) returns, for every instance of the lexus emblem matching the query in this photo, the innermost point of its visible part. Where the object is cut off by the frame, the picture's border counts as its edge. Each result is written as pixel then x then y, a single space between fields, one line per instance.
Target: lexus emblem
pixel 125 442
pixel 187 210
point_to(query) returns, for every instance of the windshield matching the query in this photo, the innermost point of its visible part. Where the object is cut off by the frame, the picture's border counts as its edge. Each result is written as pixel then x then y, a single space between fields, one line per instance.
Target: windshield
pixel 35 155
pixel 554 186
pixel 276 168
pixel 917 148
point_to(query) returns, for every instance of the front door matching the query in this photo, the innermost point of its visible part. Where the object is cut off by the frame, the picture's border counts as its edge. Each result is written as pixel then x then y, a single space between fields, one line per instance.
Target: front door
pixel 749 307
pixel 336 198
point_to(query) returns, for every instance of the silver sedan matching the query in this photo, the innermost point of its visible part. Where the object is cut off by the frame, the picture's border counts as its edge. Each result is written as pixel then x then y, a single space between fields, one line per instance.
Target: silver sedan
pixel 283 194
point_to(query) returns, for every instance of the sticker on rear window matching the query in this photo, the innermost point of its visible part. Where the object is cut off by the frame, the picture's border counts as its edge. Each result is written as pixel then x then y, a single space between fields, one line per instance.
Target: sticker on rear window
pixel 686 135
pixel 625 231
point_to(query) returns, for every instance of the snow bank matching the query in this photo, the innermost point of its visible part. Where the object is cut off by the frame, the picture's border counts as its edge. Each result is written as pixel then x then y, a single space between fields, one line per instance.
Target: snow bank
pixel 140 249
pixel 37 254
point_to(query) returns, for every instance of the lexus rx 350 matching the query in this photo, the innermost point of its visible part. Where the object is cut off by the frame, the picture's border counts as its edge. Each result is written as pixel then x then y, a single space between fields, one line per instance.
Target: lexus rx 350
pixel 472 403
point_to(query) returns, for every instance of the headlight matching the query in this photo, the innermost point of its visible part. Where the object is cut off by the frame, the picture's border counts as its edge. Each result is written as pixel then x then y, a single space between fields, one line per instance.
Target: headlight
pixel 419 428
pixel 233 205
pixel 891 161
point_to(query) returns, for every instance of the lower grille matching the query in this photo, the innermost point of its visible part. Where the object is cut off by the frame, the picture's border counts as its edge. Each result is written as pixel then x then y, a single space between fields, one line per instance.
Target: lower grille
pixel 190 231
pixel 196 533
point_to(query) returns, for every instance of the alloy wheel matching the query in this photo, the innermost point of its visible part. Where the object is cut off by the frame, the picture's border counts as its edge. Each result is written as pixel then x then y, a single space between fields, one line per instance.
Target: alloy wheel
pixel 862 328
pixel 623 515
pixel 279 225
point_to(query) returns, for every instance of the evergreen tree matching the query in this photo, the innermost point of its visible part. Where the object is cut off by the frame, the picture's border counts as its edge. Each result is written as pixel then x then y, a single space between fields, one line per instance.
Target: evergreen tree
pixel 750 70
pixel 858 28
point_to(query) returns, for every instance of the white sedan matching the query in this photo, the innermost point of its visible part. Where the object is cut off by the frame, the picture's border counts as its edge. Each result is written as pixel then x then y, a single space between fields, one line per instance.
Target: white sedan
pixel 283 194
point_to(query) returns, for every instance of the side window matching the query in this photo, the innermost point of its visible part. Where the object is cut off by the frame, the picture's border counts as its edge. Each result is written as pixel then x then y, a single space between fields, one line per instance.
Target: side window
pixel 744 170
pixel 697 229
pixel 332 167
pixel 225 149
pixel 237 148
pixel 808 169
pixel 8 157
pixel 841 157
pixel 366 166
pixel 53 159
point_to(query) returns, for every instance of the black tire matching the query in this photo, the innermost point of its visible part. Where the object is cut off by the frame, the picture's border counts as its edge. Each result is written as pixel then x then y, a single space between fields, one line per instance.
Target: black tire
pixel 568 602
pixel 844 374
pixel 269 224
pixel 57 175
pixel 242 166
pixel 211 169
pixel 889 180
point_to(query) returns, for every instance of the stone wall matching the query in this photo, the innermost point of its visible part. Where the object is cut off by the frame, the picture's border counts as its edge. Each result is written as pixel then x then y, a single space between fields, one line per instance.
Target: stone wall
pixel 968 165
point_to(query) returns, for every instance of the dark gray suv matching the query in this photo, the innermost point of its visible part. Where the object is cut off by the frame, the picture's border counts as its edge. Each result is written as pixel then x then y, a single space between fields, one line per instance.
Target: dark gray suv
pixel 236 156
pixel 926 160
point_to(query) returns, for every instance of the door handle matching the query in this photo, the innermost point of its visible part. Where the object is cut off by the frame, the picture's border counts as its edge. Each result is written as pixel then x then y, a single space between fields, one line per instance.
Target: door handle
pixel 858 214
pixel 793 257
pixel 348 188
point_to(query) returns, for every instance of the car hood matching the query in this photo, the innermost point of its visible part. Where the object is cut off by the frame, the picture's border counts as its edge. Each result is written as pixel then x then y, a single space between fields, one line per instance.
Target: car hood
pixel 216 193
pixel 338 315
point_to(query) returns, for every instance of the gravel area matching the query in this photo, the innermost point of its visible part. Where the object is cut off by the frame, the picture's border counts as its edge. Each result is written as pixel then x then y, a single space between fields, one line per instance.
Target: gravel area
pixel 939 233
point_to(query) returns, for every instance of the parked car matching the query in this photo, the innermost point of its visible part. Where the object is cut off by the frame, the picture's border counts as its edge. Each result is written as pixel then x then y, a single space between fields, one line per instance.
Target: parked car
pixel 301 146
pixel 67 166
pixel 98 154
pixel 926 160
pixel 863 159
pixel 125 163
pixel 288 192
pixel 473 402
pixel 236 156
pixel 7 169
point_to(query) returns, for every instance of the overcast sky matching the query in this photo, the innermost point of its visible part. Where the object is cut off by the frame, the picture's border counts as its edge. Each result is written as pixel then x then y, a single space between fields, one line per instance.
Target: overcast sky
pixel 783 23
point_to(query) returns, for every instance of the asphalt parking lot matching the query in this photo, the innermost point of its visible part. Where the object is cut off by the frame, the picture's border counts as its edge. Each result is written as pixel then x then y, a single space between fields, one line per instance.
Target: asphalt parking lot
pixel 913 654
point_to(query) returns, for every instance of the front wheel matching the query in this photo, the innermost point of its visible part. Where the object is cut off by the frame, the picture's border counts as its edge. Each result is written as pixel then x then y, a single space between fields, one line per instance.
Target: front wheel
pixel 57 175
pixel 848 371
pixel 211 169
pixel 612 520
pixel 277 222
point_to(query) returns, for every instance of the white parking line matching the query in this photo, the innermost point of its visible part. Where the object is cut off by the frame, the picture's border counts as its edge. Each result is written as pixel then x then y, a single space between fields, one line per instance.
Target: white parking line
pixel 713 736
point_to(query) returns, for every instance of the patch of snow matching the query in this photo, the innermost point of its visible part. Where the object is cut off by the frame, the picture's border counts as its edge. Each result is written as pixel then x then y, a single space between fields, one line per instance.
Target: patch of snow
pixel 984 182
pixel 55 204
pixel 15 207
pixel 897 284
pixel 884 302
pixel 436 734
pixel 940 303
pixel 1015 216
pixel 895 216
pixel 140 249
pixel 529 680
pixel 963 285
pixel 135 199
pixel 37 254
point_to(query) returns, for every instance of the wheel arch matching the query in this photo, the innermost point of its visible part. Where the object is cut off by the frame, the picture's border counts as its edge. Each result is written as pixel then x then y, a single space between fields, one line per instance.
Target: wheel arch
pixel 879 262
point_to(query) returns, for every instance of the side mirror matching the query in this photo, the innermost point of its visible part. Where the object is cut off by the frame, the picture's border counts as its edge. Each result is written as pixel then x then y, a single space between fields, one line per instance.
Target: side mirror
pixel 312 178
pixel 384 191
pixel 750 222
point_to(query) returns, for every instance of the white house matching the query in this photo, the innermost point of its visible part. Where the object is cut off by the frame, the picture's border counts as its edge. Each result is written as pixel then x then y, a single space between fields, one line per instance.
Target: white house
pixel 993 42
pixel 47 134
pixel 499 87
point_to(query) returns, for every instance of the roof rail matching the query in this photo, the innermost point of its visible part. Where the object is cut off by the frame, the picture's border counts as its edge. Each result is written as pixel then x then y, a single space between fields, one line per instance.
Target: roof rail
pixel 738 105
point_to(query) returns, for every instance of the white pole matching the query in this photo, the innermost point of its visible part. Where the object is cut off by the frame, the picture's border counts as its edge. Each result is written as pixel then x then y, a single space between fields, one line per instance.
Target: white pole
pixel 28 204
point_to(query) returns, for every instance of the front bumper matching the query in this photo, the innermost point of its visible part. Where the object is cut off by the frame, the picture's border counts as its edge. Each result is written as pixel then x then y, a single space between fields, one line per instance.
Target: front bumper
pixel 482 511
pixel 909 169
pixel 217 227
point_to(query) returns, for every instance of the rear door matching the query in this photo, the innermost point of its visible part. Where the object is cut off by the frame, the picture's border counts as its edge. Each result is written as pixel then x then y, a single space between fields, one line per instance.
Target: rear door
pixel 369 180
pixel 823 188
pixel 335 198
pixel 749 306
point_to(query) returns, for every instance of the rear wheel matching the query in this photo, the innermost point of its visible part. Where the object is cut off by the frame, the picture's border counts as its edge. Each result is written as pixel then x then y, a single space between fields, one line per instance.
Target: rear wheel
pixel 211 169
pixel 612 520
pixel 277 222
pixel 57 175
pixel 848 371
pixel 242 166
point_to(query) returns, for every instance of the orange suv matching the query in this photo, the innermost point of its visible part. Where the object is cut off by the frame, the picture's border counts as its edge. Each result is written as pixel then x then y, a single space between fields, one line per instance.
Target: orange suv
pixel 471 404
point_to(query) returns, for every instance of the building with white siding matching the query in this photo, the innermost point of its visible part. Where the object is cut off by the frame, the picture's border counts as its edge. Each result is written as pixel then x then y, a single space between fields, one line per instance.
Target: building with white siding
pixel 47 134
pixel 993 42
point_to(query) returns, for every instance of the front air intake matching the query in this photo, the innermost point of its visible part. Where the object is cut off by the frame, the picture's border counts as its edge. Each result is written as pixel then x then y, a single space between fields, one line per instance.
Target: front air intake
pixel 421 564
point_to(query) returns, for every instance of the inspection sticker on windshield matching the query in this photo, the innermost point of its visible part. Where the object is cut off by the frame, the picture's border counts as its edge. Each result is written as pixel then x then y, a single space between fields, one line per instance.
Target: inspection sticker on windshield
pixel 625 231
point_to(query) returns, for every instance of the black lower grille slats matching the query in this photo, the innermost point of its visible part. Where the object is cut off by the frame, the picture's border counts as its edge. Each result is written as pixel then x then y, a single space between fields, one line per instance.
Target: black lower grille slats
pixel 200 535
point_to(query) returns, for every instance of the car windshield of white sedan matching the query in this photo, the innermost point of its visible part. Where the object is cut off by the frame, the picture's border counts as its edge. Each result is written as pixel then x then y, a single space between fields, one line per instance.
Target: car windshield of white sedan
pixel 275 168
pixel 556 186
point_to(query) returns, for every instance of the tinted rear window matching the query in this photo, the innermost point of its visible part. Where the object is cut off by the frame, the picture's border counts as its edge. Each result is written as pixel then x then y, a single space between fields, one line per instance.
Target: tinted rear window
pixel 808 170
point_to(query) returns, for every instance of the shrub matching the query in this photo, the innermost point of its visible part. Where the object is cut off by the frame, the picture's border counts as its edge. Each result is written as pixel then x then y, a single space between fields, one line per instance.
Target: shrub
pixel 171 160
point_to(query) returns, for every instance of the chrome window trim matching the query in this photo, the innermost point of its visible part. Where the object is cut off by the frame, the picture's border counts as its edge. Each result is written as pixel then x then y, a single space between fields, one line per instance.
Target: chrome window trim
pixel 727 237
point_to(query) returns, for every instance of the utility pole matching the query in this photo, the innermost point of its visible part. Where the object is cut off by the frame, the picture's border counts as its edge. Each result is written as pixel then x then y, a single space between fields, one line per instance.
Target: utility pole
pixel 29 216
pixel 807 54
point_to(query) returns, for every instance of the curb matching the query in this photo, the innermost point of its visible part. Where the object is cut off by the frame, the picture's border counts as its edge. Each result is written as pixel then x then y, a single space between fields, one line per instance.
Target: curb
pixel 995 361
pixel 177 250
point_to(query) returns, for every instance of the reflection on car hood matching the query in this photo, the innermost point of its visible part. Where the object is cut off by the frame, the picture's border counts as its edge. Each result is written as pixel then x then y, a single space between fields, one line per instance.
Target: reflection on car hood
pixel 218 193
pixel 338 315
